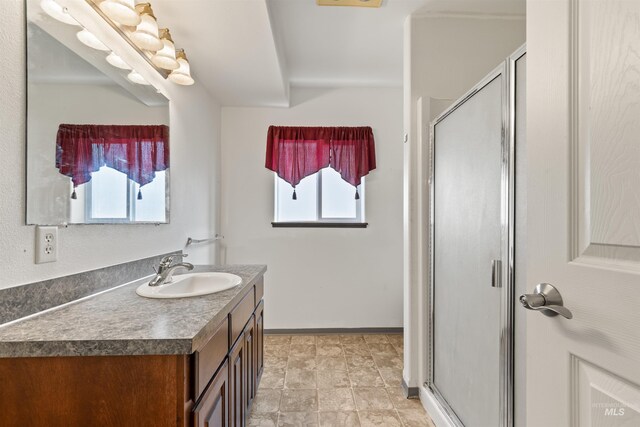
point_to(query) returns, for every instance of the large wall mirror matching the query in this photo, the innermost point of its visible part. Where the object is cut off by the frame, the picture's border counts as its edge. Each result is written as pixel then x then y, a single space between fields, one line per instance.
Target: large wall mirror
pixel 97 143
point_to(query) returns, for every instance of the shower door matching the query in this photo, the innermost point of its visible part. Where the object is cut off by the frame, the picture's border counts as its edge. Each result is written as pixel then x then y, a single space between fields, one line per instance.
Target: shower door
pixel 470 331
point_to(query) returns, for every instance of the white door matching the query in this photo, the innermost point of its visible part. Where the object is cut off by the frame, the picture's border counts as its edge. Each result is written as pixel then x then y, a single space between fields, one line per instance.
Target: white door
pixel 583 209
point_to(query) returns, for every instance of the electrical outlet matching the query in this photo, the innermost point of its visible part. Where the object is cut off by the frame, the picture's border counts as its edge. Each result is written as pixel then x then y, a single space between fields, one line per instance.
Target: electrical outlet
pixel 46 244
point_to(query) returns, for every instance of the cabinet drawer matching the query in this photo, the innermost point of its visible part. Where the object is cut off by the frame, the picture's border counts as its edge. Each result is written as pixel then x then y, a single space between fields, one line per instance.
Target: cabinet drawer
pixel 240 315
pixel 210 357
pixel 259 291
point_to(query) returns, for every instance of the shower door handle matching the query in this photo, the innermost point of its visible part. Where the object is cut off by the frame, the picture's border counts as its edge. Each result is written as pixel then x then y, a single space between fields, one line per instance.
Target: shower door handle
pixel 496 273
pixel 547 300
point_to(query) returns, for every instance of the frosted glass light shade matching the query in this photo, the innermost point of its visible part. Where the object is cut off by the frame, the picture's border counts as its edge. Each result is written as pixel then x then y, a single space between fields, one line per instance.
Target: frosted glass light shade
pixel 89 39
pixel 122 12
pixel 57 12
pixel 165 58
pixel 117 62
pixel 135 77
pixel 146 34
pixel 182 75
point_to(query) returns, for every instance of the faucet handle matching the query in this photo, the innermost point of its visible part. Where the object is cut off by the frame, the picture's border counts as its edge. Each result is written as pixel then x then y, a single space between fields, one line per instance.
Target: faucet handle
pixel 167 260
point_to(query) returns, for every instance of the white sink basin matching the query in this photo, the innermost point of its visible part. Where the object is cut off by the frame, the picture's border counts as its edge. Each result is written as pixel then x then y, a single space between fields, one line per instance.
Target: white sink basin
pixel 191 285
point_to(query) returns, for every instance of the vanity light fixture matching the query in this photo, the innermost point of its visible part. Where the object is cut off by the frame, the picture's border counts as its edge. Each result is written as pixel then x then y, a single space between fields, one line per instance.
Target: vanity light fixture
pixel 146 34
pixel 117 62
pixel 57 12
pixel 121 12
pixel 89 39
pixel 137 24
pixel 165 58
pixel 182 75
pixel 135 77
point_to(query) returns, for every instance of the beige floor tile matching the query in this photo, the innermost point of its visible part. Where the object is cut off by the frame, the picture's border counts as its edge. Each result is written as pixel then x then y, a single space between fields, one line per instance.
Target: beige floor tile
pixel 379 419
pixel 337 399
pixel 376 339
pixel 303 339
pixel 327 339
pixel 267 401
pixel 302 362
pixel 272 378
pixel 334 363
pixel 392 376
pixel 333 379
pixel 302 350
pixel 400 402
pixel 276 362
pixel 383 349
pixel 329 350
pixel 298 419
pixel 396 339
pixel 277 350
pixel 399 350
pixel 360 362
pixel 300 379
pixel 352 339
pixel 384 361
pixel 356 350
pixel 365 377
pixel 414 418
pixel 277 339
pixel 339 419
pixel 369 398
pixel 262 419
pixel 299 401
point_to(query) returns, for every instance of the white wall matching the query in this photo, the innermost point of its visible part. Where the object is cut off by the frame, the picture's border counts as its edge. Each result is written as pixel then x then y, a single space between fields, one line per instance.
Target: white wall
pixel 318 277
pixel 195 125
pixel 445 56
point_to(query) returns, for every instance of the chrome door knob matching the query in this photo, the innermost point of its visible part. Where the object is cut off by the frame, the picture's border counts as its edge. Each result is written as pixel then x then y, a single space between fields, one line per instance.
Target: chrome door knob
pixel 546 299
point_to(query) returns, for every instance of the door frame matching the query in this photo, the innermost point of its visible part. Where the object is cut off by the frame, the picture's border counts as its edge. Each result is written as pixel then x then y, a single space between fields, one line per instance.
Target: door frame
pixel 507 316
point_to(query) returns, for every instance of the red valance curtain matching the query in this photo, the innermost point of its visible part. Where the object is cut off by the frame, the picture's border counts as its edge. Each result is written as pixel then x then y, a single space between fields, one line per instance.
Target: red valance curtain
pixel 297 152
pixel 137 151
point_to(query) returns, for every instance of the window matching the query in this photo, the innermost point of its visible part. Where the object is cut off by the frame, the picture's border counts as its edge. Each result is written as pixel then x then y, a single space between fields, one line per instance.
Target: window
pixel 110 196
pixel 323 199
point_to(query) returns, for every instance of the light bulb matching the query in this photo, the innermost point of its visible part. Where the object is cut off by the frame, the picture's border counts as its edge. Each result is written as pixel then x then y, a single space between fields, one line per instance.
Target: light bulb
pixel 121 12
pixel 117 62
pixel 89 39
pixel 182 75
pixel 165 58
pixel 57 12
pixel 146 34
pixel 135 77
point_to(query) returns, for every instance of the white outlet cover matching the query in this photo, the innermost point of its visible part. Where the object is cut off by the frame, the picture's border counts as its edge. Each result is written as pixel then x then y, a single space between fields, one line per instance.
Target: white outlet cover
pixel 46 244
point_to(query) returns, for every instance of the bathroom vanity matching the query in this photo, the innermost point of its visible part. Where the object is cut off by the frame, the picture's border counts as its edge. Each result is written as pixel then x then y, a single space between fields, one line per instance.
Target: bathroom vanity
pixel 118 359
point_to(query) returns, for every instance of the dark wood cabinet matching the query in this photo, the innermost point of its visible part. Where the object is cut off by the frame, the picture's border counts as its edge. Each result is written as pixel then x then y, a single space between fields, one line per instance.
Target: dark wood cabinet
pixel 251 365
pixel 237 383
pixel 213 408
pixel 212 387
pixel 259 341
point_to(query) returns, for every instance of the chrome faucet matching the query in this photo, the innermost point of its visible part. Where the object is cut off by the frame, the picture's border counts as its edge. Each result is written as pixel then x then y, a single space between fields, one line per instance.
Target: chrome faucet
pixel 164 274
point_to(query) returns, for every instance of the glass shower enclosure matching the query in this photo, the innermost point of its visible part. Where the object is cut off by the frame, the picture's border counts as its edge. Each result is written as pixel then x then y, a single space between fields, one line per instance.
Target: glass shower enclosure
pixel 472 220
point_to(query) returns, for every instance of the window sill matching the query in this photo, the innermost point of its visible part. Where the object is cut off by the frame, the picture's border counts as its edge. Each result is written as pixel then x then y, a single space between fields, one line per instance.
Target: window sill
pixel 316 224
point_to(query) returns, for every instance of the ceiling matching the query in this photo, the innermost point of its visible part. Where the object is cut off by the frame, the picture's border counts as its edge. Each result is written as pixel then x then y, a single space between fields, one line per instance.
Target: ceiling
pixel 249 52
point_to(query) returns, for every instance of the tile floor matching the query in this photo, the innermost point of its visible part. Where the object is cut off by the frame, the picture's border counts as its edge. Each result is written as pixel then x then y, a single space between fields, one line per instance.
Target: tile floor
pixel 334 380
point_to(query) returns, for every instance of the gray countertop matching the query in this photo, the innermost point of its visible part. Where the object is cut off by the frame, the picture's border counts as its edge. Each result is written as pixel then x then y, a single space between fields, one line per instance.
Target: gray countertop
pixel 119 322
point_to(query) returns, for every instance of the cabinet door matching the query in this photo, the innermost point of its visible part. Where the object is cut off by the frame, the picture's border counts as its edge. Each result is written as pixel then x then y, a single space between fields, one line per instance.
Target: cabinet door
pixel 259 342
pixel 250 349
pixel 213 409
pixel 237 382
